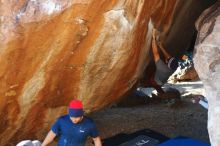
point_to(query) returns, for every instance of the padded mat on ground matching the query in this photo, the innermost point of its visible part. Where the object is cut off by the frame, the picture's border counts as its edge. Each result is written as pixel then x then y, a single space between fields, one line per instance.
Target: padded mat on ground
pixel 184 142
pixel 145 137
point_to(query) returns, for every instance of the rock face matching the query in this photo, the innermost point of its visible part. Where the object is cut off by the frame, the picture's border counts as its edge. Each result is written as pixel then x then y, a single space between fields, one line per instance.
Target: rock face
pixel 207 64
pixel 184 73
pixel 95 50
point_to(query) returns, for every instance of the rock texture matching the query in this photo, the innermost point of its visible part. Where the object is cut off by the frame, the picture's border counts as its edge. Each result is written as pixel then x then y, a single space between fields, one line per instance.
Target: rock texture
pixel 207 64
pixel 186 73
pixel 95 50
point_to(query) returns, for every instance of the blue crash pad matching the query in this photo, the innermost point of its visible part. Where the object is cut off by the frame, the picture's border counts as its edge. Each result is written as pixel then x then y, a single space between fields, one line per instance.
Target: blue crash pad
pixel 183 142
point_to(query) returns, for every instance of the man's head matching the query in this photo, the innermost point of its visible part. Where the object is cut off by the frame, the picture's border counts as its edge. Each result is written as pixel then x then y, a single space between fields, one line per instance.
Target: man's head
pixel 173 63
pixel 76 111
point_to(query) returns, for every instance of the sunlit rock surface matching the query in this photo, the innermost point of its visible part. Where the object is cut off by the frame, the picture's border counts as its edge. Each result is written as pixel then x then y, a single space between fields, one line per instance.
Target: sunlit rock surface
pixel 52 51
pixel 207 64
pixel 187 73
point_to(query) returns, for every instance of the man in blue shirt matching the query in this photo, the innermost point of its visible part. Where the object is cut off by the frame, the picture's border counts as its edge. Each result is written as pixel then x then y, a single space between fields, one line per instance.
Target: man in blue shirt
pixel 74 128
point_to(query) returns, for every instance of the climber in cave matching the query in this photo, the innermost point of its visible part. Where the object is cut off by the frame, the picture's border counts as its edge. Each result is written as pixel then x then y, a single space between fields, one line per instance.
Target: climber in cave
pixel 163 69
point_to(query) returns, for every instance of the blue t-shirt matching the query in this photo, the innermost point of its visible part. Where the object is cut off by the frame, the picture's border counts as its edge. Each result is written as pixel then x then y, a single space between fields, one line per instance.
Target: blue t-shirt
pixel 71 134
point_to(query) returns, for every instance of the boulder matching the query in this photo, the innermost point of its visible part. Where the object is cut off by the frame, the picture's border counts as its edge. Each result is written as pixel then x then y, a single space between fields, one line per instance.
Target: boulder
pixel 207 64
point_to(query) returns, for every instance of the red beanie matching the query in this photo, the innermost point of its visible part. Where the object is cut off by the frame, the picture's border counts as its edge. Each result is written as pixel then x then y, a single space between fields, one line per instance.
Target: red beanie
pixel 75 108
pixel 76 104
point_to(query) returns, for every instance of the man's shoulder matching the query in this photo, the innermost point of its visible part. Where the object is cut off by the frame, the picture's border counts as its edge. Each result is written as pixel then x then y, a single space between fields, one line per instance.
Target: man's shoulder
pixel 64 117
pixel 88 120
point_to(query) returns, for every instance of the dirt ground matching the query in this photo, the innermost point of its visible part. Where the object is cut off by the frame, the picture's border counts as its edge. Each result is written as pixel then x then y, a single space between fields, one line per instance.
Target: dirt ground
pixel 186 119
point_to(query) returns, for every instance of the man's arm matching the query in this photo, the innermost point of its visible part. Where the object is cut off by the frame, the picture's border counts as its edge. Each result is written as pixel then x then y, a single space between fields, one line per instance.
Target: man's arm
pixel 49 138
pixel 166 54
pixel 156 42
pixel 97 141
pixel 155 47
